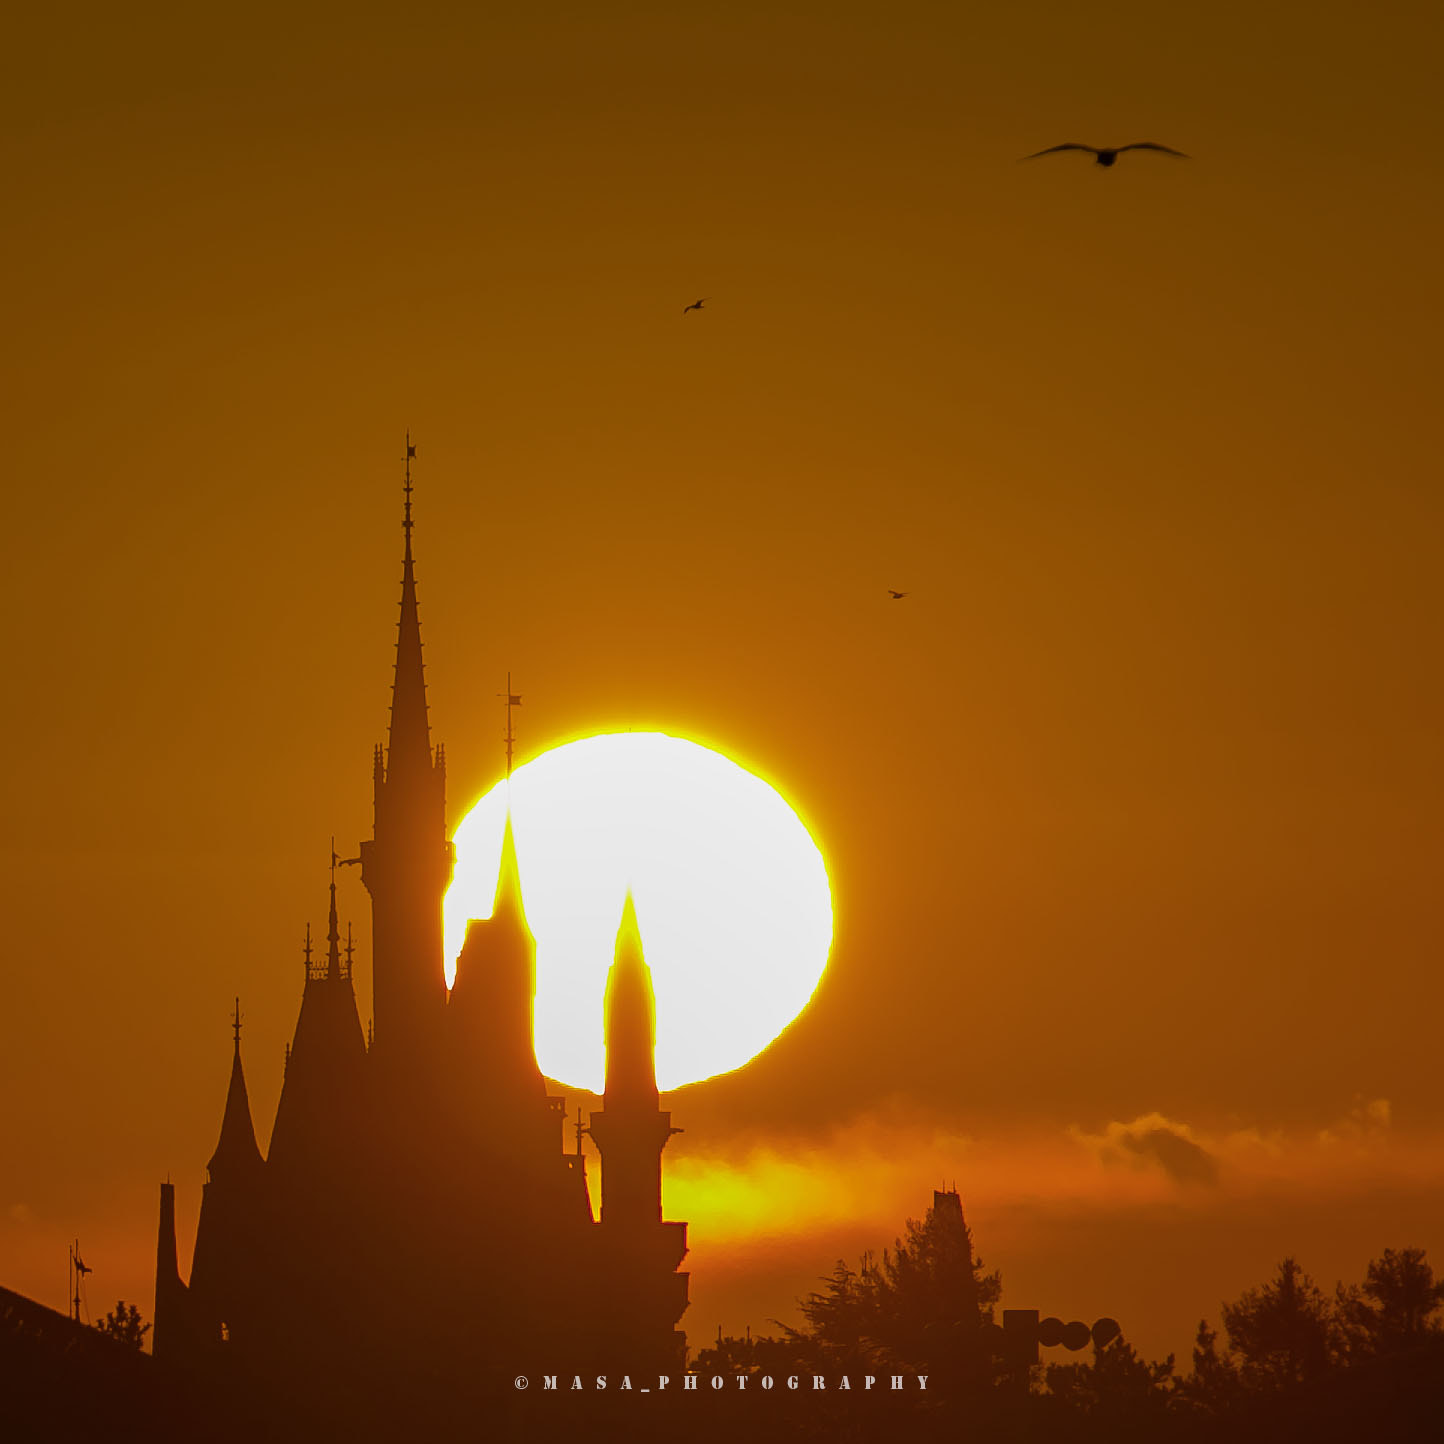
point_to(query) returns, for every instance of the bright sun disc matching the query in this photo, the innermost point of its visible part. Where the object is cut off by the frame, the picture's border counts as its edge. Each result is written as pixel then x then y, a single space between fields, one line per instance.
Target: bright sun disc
pixel 731 893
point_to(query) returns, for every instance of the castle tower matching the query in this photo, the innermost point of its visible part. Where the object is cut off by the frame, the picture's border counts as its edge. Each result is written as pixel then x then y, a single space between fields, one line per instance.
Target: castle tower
pixel 639 1252
pixel 235 1208
pixel 630 1130
pixel 169 1336
pixel 407 865
pixel 491 1014
pixel 319 1125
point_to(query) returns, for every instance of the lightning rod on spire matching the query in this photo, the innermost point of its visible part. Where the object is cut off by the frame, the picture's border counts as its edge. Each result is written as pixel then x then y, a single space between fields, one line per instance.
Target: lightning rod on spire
pixel 512 700
pixel 406 519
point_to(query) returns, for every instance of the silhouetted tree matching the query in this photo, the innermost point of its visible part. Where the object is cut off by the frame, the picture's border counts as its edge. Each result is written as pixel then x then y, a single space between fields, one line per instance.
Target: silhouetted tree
pixel 762 1354
pixel 1214 1385
pixel 923 1309
pixel 1116 1387
pixel 123 1325
pixel 1394 1308
pixel 842 1319
pixel 932 1300
pixel 1283 1333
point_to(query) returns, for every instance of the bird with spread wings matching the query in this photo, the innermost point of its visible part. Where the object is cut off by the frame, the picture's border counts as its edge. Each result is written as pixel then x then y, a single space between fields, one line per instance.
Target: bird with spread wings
pixel 1106 155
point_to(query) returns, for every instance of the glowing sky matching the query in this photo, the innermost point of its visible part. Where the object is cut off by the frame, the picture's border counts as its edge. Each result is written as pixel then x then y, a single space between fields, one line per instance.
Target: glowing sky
pixel 1133 807
pixel 730 890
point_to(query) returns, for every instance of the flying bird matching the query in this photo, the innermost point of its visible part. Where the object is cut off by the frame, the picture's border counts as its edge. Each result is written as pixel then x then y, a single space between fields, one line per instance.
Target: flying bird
pixel 695 306
pixel 897 596
pixel 1105 155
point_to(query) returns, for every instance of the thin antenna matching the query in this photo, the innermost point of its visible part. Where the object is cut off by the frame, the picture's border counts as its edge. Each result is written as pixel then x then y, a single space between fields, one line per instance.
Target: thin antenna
pixel 512 700
pixel 350 947
pixel 406 519
pixel 307 952
pixel 78 1272
pixel 236 1024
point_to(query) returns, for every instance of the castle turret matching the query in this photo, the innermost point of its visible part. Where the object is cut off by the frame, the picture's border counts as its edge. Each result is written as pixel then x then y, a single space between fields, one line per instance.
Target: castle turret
pixel 407 865
pixel 234 1211
pixel 169 1336
pixel 630 1130
pixel 640 1253
pixel 320 1119
pixel 237 1158
pixel 491 1014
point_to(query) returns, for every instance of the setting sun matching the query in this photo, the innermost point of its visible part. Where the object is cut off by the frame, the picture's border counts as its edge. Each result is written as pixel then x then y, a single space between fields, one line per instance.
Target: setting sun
pixel 731 894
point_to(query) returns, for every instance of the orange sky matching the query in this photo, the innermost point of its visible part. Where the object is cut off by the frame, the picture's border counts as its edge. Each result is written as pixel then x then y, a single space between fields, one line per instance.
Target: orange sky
pixel 1132 808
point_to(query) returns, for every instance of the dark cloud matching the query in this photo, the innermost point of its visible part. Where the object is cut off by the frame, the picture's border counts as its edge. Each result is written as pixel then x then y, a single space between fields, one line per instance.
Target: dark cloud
pixel 1181 1158
pixel 1153 1140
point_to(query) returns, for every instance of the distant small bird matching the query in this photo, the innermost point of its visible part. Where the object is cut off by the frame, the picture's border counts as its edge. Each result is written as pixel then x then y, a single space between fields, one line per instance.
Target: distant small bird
pixel 1105 155
pixel 897 596
pixel 695 306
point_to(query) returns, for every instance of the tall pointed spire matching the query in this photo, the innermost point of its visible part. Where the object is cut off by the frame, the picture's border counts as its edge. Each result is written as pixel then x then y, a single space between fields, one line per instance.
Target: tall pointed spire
pixel 237 1154
pixel 507 901
pixel 333 933
pixel 407 865
pixel 491 1013
pixel 409 745
pixel 629 1018
pixel 630 1131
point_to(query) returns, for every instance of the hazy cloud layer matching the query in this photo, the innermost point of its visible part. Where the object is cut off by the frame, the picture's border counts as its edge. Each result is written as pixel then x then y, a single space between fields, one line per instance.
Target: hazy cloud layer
pixel 1076 1219
pixel 883 1165
pixel 1153 1141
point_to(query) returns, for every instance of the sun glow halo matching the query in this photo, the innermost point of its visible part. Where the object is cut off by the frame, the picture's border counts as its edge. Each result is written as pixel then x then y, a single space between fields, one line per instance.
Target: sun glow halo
pixel 731 892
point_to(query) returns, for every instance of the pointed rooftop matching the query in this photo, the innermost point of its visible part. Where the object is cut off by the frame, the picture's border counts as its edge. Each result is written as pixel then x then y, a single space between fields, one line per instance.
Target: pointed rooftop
pixel 409 743
pixel 316 1117
pixel 237 1157
pixel 507 902
pixel 333 933
pixel 629 1011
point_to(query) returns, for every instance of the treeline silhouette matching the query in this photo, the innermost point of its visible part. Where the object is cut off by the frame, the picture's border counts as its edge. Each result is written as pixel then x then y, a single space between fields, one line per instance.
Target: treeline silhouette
pixel 1289 1361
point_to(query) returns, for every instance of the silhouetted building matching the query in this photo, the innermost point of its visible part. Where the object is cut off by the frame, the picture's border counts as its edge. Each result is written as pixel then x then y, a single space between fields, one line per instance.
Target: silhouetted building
pixel 641 1251
pixel 418 1218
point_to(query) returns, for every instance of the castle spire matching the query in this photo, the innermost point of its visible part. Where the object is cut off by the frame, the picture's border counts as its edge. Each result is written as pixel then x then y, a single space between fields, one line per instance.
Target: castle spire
pixel 409 745
pixel 407 865
pixel 236 1154
pixel 507 901
pixel 333 933
pixel 630 1131
pixel 629 1020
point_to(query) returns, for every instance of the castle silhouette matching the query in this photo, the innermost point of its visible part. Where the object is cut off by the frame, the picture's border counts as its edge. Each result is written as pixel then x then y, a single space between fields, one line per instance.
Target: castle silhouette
pixel 419 1224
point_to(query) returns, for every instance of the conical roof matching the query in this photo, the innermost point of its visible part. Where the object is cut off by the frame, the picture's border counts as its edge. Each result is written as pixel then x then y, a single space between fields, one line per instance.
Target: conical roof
pixel 237 1156
pixel 409 743
pixel 629 1013
pixel 507 902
